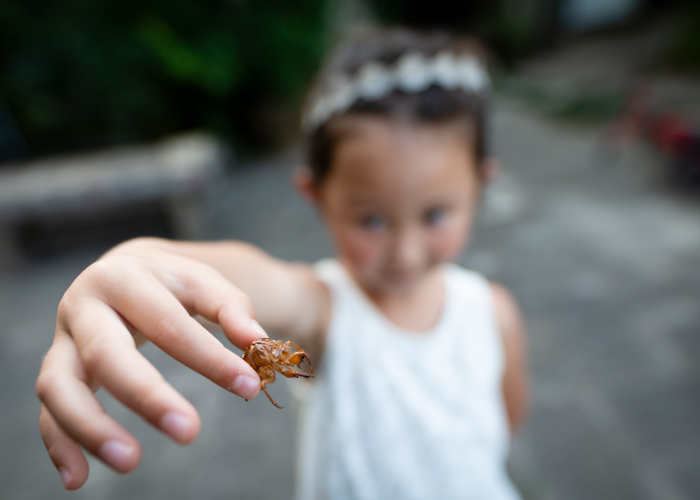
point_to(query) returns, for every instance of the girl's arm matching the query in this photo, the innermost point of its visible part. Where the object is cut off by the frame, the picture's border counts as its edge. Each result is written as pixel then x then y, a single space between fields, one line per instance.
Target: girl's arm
pixel 516 382
pixel 148 289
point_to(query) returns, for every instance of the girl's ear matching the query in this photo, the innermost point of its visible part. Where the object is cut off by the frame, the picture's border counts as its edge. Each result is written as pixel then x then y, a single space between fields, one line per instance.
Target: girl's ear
pixel 304 184
pixel 490 169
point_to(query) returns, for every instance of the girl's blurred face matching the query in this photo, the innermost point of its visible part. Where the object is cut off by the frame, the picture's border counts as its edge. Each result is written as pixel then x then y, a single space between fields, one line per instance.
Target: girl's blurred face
pixel 399 199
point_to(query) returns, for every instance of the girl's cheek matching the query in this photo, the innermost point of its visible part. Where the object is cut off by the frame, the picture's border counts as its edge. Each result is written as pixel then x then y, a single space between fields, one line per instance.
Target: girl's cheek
pixel 359 250
pixel 449 244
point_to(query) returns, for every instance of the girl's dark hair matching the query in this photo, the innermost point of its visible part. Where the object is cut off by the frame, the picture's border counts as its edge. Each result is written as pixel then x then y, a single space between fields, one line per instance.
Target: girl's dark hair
pixel 434 104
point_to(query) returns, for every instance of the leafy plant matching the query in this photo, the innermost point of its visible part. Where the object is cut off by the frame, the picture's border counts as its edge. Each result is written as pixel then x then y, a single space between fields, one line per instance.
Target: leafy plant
pixel 683 50
pixel 80 74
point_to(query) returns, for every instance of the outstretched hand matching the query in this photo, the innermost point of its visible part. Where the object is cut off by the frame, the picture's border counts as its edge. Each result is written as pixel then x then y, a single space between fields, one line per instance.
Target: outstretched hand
pixel 136 293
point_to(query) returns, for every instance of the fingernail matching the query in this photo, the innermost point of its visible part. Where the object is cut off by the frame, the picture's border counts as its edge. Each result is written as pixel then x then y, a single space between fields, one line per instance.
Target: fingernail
pixel 65 476
pixel 117 454
pixel 258 328
pixel 176 426
pixel 246 387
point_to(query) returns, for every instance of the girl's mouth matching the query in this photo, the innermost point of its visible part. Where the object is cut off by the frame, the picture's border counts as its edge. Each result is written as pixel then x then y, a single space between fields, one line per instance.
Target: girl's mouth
pixel 402 277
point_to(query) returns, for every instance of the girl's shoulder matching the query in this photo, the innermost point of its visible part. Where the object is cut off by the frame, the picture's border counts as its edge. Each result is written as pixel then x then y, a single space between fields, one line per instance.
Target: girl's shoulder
pixel 468 285
pixel 502 300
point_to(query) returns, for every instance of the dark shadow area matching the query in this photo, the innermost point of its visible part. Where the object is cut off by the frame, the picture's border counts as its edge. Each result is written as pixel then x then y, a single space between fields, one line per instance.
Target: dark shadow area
pixel 53 238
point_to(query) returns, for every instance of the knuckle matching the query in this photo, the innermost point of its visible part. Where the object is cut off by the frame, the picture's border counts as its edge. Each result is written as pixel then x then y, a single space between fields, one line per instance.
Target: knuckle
pixel 217 370
pixel 42 385
pixel 67 304
pixel 62 311
pixel 93 354
pixel 104 274
pixel 99 271
pixel 54 449
pixel 115 267
pixel 147 399
pixel 242 302
pixel 45 422
pixel 167 331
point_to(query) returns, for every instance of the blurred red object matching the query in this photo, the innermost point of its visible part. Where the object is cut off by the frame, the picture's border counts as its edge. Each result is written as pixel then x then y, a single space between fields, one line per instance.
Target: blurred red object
pixel 670 133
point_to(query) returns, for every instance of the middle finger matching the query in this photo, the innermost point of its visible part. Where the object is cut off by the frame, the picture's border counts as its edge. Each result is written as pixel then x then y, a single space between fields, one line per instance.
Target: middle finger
pixel 154 311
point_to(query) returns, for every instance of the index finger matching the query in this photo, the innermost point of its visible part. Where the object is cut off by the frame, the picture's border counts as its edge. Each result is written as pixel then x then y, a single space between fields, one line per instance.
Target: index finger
pixel 202 289
pixel 152 308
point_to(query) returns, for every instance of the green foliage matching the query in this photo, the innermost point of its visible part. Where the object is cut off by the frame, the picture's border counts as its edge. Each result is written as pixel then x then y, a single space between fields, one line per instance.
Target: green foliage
pixel 80 73
pixel 683 49
pixel 510 27
pixel 515 27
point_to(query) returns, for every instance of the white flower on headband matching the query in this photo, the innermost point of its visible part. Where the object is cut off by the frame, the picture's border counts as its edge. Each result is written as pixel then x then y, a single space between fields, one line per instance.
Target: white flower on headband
pixel 443 66
pixel 373 83
pixel 412 73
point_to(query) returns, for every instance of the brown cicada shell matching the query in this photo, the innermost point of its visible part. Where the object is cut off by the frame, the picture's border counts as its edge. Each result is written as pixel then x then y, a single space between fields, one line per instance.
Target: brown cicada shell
pixel 268 356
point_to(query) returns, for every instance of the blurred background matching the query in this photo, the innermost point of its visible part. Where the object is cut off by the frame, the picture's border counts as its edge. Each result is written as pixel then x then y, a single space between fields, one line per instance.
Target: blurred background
pixel 180 119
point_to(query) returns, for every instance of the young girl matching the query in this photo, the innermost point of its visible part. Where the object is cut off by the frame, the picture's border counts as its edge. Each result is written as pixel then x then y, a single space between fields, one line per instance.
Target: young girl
pixel 420 363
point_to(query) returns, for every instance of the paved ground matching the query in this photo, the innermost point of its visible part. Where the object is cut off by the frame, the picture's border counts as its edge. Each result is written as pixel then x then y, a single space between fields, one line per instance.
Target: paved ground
pixel 605 262
pixel 603 256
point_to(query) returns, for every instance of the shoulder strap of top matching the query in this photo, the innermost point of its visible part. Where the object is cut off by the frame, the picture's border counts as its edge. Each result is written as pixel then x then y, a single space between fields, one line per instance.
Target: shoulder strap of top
pixel 341 284
pixel 332 273
pixel 329 271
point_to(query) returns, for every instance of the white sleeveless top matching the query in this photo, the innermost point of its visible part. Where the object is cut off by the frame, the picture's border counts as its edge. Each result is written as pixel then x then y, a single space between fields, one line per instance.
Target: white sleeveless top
pixel 405 415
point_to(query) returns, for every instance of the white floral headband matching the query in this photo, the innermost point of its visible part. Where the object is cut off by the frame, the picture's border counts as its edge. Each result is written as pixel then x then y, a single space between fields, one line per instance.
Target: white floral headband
pixel 411 73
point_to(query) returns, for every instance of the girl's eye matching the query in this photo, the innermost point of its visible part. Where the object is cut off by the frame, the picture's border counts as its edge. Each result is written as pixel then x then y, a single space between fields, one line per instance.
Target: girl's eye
pixel 373 223
pixel 435 216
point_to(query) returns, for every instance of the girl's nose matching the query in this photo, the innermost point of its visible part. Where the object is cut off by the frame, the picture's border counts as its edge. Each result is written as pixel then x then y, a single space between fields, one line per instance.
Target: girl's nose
pixel 409 249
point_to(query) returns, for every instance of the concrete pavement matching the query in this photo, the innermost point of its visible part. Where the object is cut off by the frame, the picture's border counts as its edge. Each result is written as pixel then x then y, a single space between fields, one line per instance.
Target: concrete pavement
pixel 604 259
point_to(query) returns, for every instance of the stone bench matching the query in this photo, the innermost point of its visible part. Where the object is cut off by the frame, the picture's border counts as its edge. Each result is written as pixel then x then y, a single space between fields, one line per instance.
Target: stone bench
pixel 176 172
